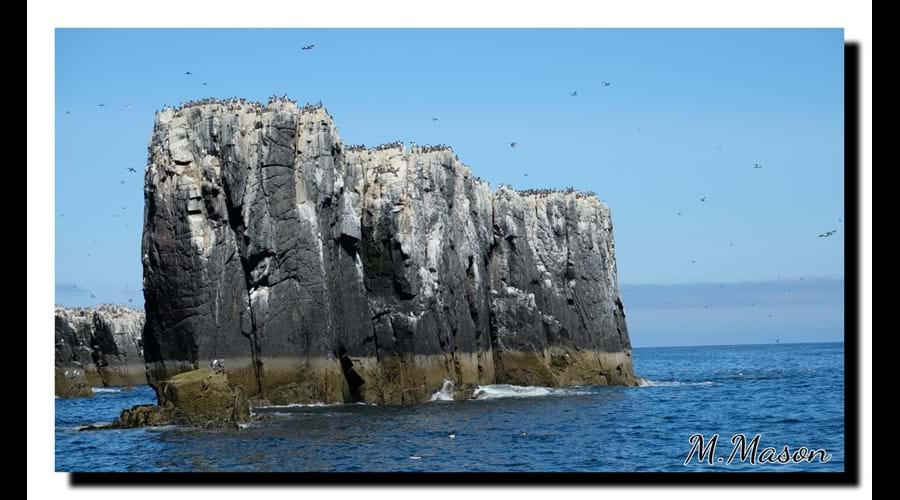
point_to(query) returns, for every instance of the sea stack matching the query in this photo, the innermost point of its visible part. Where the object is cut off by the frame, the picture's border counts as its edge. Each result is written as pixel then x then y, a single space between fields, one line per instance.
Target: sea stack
pixel 324 272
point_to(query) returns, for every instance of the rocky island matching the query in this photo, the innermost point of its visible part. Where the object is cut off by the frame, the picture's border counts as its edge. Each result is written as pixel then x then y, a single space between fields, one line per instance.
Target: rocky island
pixel 310 270
pixel 98 346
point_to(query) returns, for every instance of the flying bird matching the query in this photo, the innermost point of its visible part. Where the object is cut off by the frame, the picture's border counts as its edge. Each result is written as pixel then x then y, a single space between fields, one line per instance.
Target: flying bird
pixel 101 105
pixel 130 169
pixel 451 435
pixel 703 199
pixel 122 182
pixel 757 165
pixel 606 84
pixel 526 175
pixel 130 300
pixel 67 112
pixel 574 93
pixel 204 83
pixel 434 119
pixel 827 233
pixel 512 144
pixel 679 213
pixel 188 73
pixel 308 47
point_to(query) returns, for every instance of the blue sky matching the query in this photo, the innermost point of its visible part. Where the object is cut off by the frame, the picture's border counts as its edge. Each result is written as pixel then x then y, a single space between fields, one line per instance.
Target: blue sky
pixel 686 116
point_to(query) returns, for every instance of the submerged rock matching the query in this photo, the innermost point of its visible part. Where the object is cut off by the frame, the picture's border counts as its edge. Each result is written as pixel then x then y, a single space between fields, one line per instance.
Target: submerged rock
pixel 321 272
pixel 98 346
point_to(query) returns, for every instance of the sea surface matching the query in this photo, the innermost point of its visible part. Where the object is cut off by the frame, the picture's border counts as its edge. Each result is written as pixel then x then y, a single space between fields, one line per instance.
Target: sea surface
pixel 790 394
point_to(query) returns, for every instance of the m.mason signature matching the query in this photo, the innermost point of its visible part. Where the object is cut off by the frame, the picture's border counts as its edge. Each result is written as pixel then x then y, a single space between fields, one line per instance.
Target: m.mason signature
pixel 749 451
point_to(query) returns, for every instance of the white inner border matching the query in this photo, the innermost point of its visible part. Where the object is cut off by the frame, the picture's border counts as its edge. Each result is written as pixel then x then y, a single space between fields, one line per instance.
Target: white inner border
pixel 44 16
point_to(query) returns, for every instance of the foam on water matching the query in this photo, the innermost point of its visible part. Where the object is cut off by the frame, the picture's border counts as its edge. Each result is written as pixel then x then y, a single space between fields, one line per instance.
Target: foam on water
pixel 97 390
pixel 317 404
pixel 497 391
pixel 446 392
pixel 643 382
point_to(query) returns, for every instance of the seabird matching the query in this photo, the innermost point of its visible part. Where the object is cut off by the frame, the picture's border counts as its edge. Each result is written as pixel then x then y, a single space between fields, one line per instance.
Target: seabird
pixel 452 435
pixel 130 301
pixel 188 73
pixel 606 84
pixel 523 434
pixel 679 213
pixel 703 199
pixel 415 457
pixel 757 165
pixel 827 233
pixel 574 94
pixel 101 105
pixel 122 182
pixel 512 144
pixel 693 261
pixel 204 83
pixel 131 169
pixel 308 47
pixel 434 119
pixel 67 111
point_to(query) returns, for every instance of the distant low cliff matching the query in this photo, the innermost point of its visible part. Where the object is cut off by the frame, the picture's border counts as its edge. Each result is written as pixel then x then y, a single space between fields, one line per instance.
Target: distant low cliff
pixel 98 346
pixel 322 272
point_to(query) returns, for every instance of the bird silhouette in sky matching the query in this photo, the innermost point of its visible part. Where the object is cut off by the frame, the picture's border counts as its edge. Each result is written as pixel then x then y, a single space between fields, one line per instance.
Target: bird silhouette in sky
pixel 513 144
pixel 204 83
pixel 188 73
pixel 308 47
pixel 703 199
pixel 679 213
pixel 130 169
pixel 121 182
pixel 434 118
pixel 606 84
pixel 757 165
pixel 826 234
pixel 574 94
pixel 101 105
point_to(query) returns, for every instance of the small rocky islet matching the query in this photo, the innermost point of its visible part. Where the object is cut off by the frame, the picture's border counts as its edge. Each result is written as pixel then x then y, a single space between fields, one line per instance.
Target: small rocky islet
pixel 282 266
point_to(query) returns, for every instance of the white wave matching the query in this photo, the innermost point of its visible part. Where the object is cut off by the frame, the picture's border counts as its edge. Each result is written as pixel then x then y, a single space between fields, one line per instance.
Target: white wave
pixel 105 389
pixel 643 382
pixel 497 391
pixel 317 404
pixel 446 392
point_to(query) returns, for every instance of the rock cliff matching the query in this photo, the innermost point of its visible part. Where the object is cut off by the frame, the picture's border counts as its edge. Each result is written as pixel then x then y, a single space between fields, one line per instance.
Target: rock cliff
pixel 324 272
pixel 99 346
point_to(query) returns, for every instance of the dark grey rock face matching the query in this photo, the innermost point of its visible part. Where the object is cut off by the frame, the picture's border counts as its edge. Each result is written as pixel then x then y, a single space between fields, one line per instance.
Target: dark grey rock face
pixel 325 272
pixel 99 346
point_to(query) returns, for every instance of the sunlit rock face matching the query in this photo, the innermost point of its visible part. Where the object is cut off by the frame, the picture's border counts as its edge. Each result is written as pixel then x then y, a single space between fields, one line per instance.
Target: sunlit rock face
pixel 324 272
pixel 98 346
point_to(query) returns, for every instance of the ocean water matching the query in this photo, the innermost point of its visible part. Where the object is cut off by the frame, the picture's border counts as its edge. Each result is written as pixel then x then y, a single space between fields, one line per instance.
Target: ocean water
pixel 790 394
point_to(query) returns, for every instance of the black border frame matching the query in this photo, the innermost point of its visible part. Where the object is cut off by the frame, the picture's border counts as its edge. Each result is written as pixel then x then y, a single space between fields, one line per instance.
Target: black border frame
pixel 849 477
